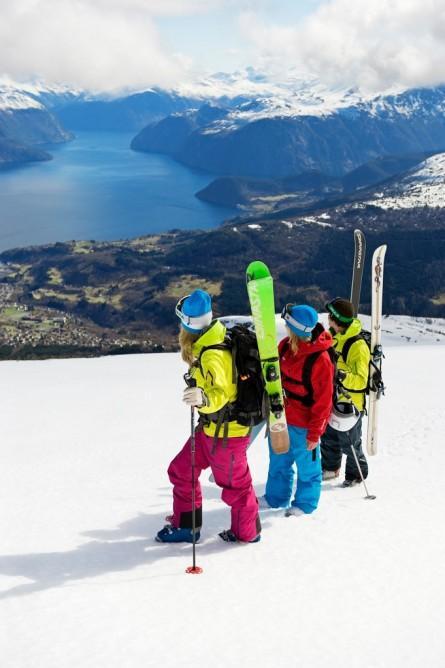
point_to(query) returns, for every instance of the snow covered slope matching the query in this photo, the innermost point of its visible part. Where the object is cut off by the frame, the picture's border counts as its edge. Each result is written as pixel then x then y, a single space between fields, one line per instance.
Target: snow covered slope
pixel 15 96
pixel 396 329
pixel 302 95
pixel 12 99
pixel 424 185
pixel 25 121
pixel 296 95
pixel 85 446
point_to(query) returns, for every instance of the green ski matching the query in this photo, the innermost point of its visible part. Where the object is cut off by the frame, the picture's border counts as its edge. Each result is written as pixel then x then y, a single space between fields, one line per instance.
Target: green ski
pixel 261 297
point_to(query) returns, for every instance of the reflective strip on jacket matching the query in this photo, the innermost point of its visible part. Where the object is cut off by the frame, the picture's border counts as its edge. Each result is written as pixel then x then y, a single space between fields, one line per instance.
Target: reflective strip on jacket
pixel 357 366
pixel 216 378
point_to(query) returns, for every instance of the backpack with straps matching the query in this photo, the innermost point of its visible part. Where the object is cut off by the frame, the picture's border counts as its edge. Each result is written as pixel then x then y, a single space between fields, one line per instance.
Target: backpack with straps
pixel 363 335
pixel 307 399
pixel 250 406
pixel 375 379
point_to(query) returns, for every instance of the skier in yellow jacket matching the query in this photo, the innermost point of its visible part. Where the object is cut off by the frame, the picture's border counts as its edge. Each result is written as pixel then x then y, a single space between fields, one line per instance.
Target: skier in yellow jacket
pixel 353 359
pixel 220 444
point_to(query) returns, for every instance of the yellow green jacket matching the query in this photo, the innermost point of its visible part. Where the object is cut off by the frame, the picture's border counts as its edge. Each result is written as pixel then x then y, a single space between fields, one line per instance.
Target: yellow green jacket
pixel 216 378
pixel 357 366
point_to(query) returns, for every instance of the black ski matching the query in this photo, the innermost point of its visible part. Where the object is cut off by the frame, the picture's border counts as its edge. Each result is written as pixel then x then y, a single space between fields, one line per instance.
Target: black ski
pixel 357 272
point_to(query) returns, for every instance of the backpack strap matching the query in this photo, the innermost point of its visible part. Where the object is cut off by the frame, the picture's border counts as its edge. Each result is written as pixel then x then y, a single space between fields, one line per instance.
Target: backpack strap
pixel 223 416
pixel 308 364
pixel 347 346
pixel 223 420
pixel 345 352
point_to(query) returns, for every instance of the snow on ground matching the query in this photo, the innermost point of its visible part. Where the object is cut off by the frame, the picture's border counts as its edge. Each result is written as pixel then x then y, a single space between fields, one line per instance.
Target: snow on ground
pixel 85 447
pixel 12 100
pixel 423 185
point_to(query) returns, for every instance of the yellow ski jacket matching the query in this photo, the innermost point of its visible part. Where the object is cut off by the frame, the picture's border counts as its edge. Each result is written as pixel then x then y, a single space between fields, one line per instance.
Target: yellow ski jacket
pixel 357 364
pixel 216 378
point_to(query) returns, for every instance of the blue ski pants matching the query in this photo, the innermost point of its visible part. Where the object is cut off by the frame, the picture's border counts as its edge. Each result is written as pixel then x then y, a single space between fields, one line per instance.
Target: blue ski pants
pixel 280 479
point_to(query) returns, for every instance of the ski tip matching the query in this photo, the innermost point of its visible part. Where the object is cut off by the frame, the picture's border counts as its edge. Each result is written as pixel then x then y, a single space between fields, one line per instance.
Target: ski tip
pixel 379 251
pixel 257 269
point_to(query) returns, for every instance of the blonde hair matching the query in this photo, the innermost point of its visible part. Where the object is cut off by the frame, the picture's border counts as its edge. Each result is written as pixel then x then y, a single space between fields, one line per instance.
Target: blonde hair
pixel 294 341
pixel 186 341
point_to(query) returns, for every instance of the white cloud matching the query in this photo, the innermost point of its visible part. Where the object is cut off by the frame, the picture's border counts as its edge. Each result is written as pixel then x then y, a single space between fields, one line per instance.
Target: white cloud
pixel 96 44
pixel 114 44
pixel 373 44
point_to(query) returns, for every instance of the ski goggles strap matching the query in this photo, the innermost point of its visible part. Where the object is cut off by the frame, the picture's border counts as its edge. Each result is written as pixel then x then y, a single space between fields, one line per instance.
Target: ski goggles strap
pixel 343 318
pixel 194 322
pixel 286 315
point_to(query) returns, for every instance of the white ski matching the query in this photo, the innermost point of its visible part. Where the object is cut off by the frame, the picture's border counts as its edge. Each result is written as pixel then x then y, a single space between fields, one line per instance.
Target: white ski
pixel 376 387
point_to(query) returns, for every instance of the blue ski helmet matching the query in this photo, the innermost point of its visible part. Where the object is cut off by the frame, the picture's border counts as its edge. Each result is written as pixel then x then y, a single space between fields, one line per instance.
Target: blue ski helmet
pixel 195 311
pixel 300 319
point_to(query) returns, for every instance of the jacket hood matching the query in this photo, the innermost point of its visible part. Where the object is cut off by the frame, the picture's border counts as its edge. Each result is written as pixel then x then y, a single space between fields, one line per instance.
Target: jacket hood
pixel 354 328
pixel 213 335
pixel 323 342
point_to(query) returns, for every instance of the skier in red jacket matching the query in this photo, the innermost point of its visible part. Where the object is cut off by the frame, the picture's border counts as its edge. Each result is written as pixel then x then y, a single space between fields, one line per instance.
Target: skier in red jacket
pixel 307 375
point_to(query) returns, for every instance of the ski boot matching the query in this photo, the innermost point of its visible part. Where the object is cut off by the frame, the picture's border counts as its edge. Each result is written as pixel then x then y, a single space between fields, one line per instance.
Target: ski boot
pixel 170 534
pixel 229 537
pixel 293 511
pixel 351 483
pixel 330 475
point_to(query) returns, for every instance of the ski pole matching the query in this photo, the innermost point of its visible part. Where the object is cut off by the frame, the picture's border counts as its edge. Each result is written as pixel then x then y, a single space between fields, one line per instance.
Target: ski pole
pixel 194 569
pixel 368 495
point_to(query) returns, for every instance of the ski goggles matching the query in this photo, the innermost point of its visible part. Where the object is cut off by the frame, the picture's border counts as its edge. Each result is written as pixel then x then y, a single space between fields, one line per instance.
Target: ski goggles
pixel 191 322
pixel 342 318
pixel 297 327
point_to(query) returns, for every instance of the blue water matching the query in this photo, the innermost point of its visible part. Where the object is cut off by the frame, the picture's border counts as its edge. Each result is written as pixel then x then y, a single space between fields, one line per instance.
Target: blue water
pixel 97 188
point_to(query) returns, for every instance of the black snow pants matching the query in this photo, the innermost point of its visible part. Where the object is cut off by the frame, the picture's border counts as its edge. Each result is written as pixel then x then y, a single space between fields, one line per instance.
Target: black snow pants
pixel 334 444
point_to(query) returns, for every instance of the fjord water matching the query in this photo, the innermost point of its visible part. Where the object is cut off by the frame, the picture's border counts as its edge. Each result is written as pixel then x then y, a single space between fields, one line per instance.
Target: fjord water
pixel 97 188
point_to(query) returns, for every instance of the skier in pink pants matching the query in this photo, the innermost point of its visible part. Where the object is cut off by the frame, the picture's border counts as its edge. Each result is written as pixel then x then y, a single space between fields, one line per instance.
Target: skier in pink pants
pixel 220 443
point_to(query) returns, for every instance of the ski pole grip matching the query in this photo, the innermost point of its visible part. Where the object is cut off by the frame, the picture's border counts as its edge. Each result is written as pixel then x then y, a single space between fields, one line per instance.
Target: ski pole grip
pixel 190 382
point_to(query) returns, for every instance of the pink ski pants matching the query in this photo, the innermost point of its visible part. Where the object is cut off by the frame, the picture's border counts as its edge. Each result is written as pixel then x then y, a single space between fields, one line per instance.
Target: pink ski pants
pixel 228 463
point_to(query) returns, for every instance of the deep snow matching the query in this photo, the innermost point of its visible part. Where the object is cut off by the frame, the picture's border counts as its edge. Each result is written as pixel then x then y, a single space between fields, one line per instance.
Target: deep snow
pixel 85 447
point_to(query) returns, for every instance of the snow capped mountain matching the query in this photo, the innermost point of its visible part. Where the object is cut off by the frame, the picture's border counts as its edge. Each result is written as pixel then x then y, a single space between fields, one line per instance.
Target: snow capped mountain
pixel 423 185
pixel 267 97
pixel 262 127
pixel 300 95
pixel 13 99
pixel 26 120
pixel 38 95
pixel 279 129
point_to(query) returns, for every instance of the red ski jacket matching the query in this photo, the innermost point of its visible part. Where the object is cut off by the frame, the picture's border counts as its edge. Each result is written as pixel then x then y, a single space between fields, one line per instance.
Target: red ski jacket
pixel 310 412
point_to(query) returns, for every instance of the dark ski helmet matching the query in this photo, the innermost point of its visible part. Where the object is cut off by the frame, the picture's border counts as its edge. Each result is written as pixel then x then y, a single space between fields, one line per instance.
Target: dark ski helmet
pixel 344 416
pixel 341 310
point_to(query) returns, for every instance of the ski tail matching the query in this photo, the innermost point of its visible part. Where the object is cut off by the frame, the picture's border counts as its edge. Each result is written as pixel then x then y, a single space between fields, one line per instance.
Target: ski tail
pixel 357 271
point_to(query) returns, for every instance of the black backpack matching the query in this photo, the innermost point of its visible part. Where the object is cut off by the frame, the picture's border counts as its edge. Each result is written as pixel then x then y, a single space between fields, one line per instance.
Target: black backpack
pixel 250 406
